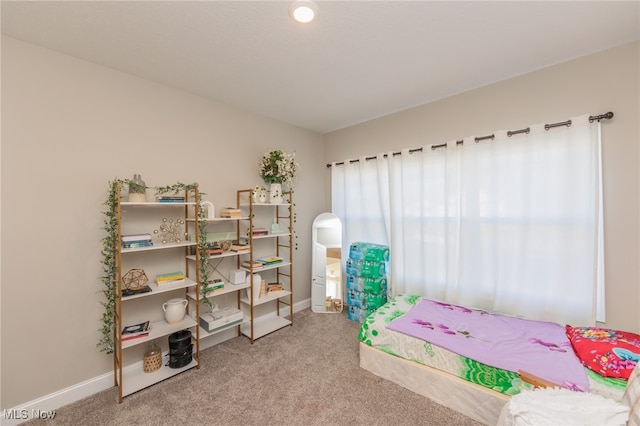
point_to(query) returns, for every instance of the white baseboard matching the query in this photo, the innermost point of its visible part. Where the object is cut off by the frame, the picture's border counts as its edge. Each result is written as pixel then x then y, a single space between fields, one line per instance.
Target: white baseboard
pixel 302 305
pixel 48 404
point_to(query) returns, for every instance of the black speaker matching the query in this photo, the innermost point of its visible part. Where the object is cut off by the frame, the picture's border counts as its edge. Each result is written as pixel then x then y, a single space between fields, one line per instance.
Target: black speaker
pixel 180 349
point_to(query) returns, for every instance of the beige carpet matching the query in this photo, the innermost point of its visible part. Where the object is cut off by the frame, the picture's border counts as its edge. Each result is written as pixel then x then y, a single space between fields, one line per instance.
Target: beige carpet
pixel 307 374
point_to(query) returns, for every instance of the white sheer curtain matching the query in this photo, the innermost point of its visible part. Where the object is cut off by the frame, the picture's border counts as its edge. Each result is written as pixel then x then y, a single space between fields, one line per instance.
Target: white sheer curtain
pixel 513 224
pixel 360 198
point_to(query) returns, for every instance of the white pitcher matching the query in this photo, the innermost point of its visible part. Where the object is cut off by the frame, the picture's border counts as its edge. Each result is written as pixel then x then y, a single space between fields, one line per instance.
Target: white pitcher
pixel 175 310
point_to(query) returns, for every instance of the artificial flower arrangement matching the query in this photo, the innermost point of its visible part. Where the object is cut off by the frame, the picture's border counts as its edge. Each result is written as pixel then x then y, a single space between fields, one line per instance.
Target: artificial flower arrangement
pixel 278 167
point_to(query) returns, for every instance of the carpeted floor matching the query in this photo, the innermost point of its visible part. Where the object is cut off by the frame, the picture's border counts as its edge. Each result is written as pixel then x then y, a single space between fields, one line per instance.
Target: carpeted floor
pixel 307 374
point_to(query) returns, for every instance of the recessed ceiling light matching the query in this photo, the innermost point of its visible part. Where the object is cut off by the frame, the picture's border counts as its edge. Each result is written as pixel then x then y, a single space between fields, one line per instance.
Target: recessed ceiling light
pixel 303 10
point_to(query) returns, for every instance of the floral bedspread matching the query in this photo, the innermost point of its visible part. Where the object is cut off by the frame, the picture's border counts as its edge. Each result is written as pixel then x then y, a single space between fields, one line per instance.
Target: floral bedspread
pixel 610 353
pixel 502 341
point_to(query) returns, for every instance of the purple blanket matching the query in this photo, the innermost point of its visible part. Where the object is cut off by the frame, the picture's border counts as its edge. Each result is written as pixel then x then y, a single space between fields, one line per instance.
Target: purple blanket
pixel 510 343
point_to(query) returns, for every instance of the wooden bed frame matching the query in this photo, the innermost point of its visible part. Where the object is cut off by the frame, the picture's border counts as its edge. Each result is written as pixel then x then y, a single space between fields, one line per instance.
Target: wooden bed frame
pixel 474 401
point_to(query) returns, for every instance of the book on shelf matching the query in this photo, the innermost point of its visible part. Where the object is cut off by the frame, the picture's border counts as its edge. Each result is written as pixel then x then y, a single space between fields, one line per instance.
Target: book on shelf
pixel 170 199
pixel 169 276
pixel 137 244
pixel 135 237
pixel 256 265
pixel 230 212
pixel 126 337
pixel 135 331
pixel 270 260
pixel 169 282
pixel 260 231
pixel 274 287
pixel 240 248
pixel 241 244
pixel 215 284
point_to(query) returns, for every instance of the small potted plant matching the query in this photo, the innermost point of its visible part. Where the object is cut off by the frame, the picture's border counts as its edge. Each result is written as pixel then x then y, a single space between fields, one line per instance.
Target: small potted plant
pixel 259 194
pixel 277 168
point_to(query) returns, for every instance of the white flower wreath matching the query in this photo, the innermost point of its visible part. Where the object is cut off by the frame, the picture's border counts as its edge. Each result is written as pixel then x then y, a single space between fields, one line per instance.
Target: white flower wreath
pixel 278 167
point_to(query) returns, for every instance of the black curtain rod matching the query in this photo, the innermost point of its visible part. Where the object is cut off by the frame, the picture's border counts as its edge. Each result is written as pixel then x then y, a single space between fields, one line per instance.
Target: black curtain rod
pixel 592 118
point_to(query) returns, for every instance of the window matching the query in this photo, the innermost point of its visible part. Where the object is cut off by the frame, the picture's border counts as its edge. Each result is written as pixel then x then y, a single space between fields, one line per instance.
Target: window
pixel 513 224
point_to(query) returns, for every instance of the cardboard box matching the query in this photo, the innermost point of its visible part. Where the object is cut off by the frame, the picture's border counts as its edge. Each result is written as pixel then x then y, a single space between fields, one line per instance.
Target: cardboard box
pixel 220 318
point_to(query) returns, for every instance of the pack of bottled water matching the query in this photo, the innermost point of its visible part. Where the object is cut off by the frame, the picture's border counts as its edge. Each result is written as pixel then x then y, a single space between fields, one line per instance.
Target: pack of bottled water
pixel 366 285
pixel 367 272
pixel 369 252
pixel 366 300
pixel 355 313
pixel 366 268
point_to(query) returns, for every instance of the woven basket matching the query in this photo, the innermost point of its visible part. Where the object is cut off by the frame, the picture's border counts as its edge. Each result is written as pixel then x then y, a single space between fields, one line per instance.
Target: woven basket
pixel 152 362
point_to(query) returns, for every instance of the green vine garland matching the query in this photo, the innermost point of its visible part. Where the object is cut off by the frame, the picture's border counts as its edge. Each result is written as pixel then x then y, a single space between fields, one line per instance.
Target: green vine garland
pixel 110 247
pixel 295 220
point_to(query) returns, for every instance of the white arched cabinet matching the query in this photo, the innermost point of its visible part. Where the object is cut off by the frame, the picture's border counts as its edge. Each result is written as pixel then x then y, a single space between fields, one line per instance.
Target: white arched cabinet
pixel 326 265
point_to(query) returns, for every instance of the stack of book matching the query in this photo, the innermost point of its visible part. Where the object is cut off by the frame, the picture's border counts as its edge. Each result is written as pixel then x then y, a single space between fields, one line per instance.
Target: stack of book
pixel 136 240
pixel 170 278
pixel 240 247
pixel 255 264
pixel 230 212
pixel 271 287
pixel 259 231
pixel 136 331
pixel 214 284
pixel 270 260
pixel 170 199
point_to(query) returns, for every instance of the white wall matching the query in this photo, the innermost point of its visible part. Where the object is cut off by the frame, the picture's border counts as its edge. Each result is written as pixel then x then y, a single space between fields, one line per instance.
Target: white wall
pixel 607 81
pixel 68 128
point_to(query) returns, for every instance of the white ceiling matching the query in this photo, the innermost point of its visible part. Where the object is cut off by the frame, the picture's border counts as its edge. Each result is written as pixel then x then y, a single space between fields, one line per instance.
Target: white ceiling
pixel 359 60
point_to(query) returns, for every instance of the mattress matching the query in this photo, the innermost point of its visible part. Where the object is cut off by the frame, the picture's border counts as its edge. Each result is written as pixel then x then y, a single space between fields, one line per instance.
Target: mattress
pixel 474 401
pixel 375 334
